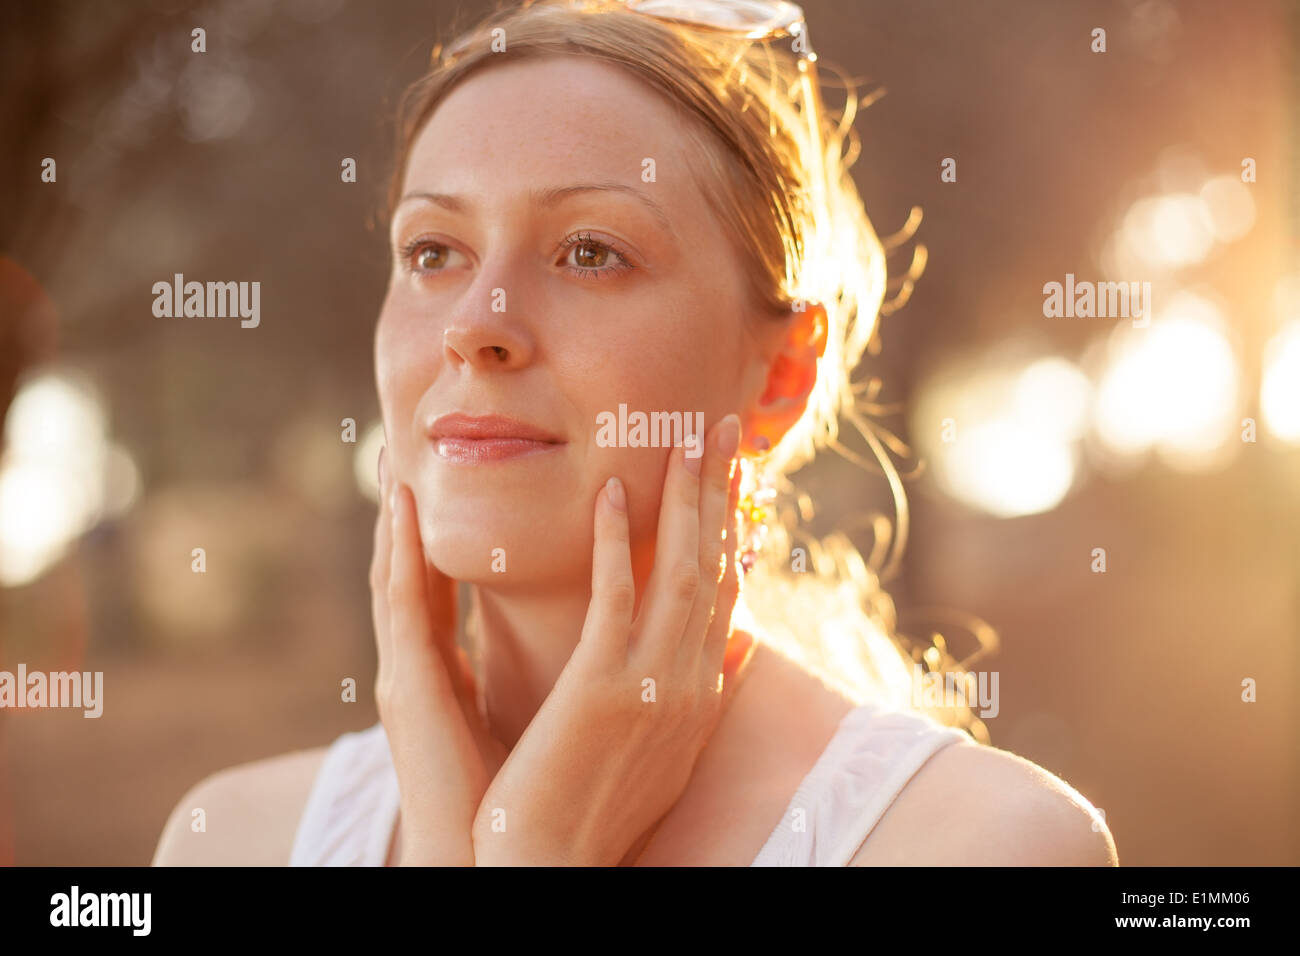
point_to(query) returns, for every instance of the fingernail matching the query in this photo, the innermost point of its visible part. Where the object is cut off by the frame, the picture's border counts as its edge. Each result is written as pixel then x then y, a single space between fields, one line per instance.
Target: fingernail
pixel 617 497
pixel 729 436
pixel 381 468
pixel 693 452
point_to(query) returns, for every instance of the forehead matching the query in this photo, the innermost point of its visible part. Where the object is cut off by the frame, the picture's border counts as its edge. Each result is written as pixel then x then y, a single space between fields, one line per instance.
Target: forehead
pixel 538 122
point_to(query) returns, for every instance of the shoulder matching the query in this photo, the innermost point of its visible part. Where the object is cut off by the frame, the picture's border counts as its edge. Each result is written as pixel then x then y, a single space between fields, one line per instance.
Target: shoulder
pixel 250 813
pixel 975 805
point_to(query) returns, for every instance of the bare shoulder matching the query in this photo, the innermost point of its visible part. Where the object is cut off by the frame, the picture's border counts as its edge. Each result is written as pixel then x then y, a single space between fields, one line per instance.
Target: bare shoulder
pixel 975 805
pixel 250 814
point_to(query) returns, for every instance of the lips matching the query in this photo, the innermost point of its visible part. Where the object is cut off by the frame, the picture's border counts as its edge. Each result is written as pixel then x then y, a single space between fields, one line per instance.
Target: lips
pixel 469 439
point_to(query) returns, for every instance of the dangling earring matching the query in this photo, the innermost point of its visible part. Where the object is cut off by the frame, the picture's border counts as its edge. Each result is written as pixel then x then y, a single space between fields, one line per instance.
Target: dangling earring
pixel 754 506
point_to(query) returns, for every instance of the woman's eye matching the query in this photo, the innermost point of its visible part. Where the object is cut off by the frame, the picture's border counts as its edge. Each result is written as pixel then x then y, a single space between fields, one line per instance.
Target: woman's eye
pixel 425 256
pixel 431 257
pixel 590 257
pixel 584 255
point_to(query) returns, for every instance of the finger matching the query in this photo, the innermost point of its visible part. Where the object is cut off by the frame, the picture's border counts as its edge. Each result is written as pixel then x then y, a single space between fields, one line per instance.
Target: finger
pixel 440 596
pixel 739 650
pixel 415 650
pixel 676 578
pixel 380 562
pixel 478 727
pixel 440 604
pixel 715 640
pixel 715 488
pixel 715 492
pixel 466 671
pixel 613 589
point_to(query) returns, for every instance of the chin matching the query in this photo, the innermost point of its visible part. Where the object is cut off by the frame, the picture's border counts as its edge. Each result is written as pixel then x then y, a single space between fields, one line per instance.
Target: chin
pixel 477 549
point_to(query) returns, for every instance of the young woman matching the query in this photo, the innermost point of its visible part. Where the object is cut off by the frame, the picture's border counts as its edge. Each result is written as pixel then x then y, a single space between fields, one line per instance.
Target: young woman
pixel 605 214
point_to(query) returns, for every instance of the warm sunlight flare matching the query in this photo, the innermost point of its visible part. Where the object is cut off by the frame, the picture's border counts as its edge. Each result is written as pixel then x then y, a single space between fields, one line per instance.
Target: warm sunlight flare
pixel 59 475
pixel 1279 393
pixel 1172 387
pixel 365 463
pixel 1006 439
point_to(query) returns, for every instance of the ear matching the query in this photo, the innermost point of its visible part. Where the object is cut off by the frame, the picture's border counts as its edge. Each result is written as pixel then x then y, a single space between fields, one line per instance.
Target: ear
pixel 791 375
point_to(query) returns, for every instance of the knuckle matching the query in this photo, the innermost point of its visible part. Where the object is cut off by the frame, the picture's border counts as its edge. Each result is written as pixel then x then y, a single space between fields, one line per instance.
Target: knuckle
pixel 689 492
pixel 620 594
pixel 392 699
pixel 686 580
pixel 686 707
pixel 397 588
pixel 710 694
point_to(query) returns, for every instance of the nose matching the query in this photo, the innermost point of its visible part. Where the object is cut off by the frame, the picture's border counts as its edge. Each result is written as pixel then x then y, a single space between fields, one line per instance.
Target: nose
pixel 487 337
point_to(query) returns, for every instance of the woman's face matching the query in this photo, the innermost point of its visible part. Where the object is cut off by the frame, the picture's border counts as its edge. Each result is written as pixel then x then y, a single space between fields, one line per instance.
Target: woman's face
pixel 562 262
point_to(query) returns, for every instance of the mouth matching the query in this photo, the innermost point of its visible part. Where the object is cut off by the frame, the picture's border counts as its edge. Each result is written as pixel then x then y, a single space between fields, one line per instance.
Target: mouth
pixel 468 439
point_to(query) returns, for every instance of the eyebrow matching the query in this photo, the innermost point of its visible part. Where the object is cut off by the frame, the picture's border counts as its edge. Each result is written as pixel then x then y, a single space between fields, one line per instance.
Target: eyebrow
pixel 553 196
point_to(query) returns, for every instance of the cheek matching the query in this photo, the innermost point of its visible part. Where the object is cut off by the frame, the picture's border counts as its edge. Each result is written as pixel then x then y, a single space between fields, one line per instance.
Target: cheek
pixel 645 489
pixel 665 363
pixel 660 358
pixel 405 364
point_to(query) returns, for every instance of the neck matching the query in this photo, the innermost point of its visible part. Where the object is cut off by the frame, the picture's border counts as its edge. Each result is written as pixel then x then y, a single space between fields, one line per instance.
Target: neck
pixel 526 637
pixel 525 641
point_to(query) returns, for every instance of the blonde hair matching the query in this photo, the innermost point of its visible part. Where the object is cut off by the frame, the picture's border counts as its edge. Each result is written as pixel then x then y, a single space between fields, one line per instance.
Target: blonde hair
pixel 779 166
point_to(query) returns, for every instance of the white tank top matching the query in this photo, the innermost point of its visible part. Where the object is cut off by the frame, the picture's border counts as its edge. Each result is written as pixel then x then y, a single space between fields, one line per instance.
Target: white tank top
pixel 352 808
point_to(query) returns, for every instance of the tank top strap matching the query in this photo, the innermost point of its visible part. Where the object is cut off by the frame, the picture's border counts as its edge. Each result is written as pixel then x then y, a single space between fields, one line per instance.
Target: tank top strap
pixel 352 808
pixel 871 757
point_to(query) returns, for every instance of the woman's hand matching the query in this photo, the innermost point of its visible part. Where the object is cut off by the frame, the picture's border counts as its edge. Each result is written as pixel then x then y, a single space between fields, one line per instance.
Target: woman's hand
pixel 612 747
pixel 442 752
